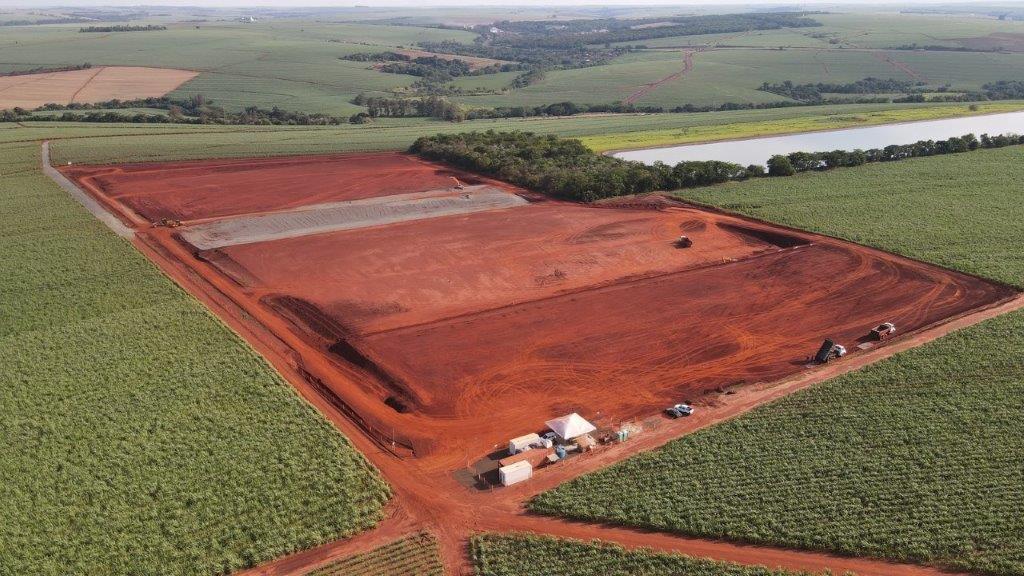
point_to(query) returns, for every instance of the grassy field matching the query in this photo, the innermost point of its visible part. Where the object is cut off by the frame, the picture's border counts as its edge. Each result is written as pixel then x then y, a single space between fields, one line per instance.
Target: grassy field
pixel 833 120
pixel 915 458
pixel 141 436
pixel 528 555
pixel 415 555
pixel 125 143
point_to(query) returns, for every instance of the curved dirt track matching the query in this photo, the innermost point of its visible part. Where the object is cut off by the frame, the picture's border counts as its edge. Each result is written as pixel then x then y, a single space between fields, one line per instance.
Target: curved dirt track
pixel 651 87
pixel 451 423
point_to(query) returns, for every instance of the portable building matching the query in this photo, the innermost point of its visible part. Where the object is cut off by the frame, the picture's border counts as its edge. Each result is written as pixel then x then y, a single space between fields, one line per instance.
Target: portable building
pixel 515 473
pixel 517 445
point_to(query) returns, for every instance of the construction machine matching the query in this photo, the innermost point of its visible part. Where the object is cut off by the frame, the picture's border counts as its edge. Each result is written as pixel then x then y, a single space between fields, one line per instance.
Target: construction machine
pixel 828 351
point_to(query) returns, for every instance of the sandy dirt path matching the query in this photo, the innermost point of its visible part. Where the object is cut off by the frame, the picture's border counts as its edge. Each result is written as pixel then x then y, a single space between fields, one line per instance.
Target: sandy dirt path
pixel 651 87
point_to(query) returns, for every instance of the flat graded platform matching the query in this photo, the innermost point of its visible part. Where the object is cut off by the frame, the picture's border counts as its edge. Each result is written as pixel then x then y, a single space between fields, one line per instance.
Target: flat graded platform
pixel 218 188
pixel 624 349
pixel 382 278
pixel 447 333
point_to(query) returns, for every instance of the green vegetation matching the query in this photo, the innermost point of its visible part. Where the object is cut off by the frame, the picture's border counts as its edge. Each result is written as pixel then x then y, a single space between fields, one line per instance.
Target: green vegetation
pixel 916 459
pixel 565 168
pixel 178 142
pixel 953 211
pixel 309 62
pixel 141 435
pixel 528 555
pixel 415 555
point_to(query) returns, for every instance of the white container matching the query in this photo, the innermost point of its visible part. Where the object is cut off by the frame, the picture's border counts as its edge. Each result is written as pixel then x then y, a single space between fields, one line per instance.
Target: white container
pixel 515 473
pixel 517 445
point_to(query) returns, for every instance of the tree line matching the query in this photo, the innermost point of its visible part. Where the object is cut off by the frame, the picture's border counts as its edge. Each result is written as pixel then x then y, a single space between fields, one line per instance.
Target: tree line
pixel 123 28
pixel 47 70
pixel 790 164
pixel 196 109
pixel 814 93
pixel 565 168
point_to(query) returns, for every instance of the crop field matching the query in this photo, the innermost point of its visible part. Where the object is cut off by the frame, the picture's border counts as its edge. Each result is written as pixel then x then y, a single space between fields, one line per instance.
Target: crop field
pixel 140 434
pixel 293 65
pixel 526 555
pixel 117 143
pixel 915 459
pixel 378 308
pixel 972 217
pixel 415 555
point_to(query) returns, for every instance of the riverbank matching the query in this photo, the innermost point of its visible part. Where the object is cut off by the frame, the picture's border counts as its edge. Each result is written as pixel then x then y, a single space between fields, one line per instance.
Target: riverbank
pixel 647 139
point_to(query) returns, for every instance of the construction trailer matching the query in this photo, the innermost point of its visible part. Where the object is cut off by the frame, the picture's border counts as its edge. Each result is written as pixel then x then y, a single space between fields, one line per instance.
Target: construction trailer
pixel 517 445
pixel 515 473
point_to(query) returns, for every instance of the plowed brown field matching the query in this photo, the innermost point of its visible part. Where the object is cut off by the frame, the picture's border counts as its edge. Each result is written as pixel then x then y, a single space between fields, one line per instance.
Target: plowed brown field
pixel 97 84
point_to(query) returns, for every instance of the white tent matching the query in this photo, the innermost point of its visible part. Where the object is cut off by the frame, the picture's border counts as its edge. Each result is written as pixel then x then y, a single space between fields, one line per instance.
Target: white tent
pixel 570 426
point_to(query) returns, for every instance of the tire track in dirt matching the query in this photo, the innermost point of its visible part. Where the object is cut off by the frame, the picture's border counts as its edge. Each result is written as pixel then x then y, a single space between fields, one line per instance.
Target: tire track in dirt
pixel 648 88
pixel 87 82
pixel 901 66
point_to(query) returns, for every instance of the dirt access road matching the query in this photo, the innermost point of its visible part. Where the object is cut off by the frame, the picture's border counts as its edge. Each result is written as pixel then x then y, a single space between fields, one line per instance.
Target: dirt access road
pixel 428 495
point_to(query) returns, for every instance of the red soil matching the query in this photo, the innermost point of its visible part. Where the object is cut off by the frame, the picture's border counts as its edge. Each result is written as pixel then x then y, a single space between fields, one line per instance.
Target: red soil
pixel 218 188
pixel 375 279
pixel 471 370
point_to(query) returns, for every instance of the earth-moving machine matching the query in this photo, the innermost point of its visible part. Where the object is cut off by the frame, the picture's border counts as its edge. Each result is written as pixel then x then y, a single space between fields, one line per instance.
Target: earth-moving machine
pixel 828 351
pixel 166 223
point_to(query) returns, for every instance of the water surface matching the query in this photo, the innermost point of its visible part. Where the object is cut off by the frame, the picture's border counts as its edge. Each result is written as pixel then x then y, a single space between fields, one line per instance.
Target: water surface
pixel 758 150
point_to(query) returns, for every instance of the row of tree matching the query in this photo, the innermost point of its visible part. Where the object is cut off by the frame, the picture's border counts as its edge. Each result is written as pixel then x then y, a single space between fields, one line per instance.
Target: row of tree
pixel 123 28
pixel 815 92
pixel 47 70
pixel 790 164
pixel 423 107
pixel 567 169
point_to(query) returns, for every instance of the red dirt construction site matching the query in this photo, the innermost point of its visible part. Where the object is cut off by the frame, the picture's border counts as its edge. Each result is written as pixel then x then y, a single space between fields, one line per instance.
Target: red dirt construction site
pixel 442 313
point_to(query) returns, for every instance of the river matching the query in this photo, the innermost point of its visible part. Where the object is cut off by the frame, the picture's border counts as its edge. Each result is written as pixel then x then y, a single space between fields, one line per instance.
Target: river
pixel 758 150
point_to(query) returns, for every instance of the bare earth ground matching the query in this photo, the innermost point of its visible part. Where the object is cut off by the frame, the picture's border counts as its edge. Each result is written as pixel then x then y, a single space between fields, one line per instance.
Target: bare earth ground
pixel 97 84
pixel 430 342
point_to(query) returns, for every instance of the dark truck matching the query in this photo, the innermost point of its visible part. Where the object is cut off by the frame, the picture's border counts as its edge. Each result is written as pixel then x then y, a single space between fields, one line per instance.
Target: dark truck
pixel 828 351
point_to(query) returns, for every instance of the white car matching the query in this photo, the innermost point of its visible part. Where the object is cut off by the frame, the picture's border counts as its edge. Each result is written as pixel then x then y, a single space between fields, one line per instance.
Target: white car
pixel 679 410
